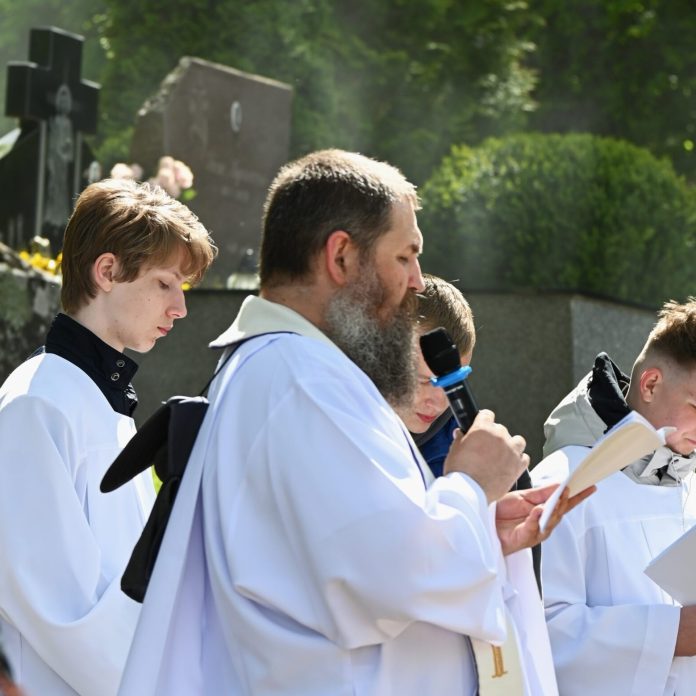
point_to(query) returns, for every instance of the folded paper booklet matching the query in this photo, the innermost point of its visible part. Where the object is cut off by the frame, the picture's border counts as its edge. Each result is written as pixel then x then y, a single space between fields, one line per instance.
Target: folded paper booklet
pixel 674 570
pixel 630 439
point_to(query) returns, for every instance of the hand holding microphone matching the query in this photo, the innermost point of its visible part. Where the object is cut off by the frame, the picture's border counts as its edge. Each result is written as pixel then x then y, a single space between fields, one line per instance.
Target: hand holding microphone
pixel 442 357
pixel 485 451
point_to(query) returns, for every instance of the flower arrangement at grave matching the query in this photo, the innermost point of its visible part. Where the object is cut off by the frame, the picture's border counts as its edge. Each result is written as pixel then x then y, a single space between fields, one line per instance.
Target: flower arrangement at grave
pixel 173 175
pixel 39 257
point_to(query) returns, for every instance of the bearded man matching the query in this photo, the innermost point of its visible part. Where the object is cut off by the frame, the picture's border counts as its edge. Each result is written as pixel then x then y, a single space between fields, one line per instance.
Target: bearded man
pixel 310 551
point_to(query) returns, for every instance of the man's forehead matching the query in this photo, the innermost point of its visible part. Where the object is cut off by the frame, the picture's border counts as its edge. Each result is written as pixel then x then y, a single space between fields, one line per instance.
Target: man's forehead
pixel 403 229
pixel 678 377
pixel 688 379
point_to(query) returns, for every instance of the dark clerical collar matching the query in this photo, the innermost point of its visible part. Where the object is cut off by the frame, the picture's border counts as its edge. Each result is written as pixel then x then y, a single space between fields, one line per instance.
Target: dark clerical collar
pixel 109 369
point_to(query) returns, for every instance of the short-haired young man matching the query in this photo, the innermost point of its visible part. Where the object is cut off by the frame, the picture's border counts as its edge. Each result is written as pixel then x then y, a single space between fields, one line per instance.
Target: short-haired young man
pixel 64 415
pixel 310 551
pixel 612 629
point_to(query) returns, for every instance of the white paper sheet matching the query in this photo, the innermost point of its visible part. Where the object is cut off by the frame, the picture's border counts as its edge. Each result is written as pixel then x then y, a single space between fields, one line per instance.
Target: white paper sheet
pixel 674 570
pixel 630 439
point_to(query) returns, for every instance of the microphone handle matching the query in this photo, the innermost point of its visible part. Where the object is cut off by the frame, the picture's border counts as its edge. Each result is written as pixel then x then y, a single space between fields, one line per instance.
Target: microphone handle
pixel 462 404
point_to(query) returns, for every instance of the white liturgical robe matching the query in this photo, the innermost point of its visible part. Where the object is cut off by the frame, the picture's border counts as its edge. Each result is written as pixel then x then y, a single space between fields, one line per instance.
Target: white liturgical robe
pixel 66 625
pixel 305 555
pixel 612 629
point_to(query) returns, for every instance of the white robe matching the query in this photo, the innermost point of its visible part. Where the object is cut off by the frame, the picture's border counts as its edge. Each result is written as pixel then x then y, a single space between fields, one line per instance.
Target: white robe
pixel 304 555
pixel 612 629
pixel 66 626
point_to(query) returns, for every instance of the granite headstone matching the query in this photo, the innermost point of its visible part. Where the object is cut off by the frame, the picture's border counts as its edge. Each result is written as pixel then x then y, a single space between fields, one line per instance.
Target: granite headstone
pixel 48 161
pixel 233 130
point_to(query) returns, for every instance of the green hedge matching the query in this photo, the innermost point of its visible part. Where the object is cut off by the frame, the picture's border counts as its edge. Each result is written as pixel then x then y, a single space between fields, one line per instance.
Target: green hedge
pixel 561 212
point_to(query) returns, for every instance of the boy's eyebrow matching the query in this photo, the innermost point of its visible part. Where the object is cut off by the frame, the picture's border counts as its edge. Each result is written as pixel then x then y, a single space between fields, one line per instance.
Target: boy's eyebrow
pixel 177 275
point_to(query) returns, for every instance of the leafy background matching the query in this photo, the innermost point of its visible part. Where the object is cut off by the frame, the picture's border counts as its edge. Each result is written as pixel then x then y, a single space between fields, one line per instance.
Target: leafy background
pixel 554 139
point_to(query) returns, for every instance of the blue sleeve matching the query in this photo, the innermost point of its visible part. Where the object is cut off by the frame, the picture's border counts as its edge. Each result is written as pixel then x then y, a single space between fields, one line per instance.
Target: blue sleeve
pixel 435 450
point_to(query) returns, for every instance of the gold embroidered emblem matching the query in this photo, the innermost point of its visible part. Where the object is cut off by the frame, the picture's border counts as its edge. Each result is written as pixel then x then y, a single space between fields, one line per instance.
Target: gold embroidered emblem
pixel 498 665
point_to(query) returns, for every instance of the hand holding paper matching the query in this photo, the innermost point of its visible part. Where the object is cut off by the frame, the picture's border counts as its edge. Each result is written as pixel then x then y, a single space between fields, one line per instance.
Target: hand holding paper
pixel 630 439
pixel 518 512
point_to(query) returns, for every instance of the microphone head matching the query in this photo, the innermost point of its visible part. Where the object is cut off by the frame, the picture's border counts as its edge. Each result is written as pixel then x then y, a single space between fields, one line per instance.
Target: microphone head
pixel 439 352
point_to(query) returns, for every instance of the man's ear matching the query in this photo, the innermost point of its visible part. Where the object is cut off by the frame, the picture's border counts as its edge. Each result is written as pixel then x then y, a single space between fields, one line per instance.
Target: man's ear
pixel 650 381
pixel 104 270
pixel 341 257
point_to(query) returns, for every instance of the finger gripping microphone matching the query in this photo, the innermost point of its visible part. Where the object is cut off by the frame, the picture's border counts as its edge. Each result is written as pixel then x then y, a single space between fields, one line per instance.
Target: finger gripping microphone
pixel 442 357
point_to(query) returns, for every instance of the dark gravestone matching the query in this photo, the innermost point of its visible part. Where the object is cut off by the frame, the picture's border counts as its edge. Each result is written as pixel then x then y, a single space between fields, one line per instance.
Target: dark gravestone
pixel 45 169
pixel 233 130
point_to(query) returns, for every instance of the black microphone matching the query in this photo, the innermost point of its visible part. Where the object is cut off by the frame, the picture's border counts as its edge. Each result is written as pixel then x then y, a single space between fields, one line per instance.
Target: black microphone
pixel 442 357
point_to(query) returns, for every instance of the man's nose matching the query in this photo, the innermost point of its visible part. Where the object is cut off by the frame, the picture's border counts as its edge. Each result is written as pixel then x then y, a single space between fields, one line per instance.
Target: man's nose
pixel 415 280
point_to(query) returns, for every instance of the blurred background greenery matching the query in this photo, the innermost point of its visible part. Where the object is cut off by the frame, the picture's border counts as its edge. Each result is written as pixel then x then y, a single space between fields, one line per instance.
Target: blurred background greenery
pixel 553 140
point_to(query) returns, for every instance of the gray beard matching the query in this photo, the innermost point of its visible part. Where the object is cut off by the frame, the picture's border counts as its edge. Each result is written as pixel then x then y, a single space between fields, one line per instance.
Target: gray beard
pixel 384 351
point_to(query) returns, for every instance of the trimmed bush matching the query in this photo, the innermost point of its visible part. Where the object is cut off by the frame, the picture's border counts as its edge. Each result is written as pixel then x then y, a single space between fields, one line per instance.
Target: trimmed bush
pixel 561 212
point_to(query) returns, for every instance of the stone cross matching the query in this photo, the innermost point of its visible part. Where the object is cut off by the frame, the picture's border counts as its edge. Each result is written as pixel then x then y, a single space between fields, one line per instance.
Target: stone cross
pixel 55 108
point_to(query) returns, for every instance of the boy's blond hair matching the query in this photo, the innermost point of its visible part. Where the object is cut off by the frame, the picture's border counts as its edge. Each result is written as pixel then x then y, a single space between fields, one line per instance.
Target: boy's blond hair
pixel 441 304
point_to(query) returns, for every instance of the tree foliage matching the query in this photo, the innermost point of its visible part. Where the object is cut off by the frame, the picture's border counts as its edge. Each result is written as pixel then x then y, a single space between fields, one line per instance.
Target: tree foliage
pixel 573 212
pixel 622 68
pixel 398 79
pixel 401 79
